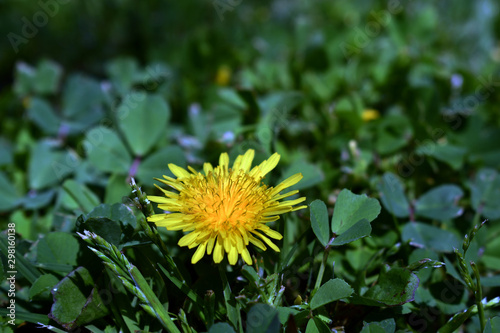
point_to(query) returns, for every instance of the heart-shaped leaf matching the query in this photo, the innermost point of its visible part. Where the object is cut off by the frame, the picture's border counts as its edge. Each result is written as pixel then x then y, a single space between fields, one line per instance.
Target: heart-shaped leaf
pixel 430 237
pixel 319 221
pixel 331 291
pixel 352 216
pixel 440 203
pixel 396 286
pixel 485 191
pixel 143 118
pixel 392 195
pixel 106 151
pixel 76 300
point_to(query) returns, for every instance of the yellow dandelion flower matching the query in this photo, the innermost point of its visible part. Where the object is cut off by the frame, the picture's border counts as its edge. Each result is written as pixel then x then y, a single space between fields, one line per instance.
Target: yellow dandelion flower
pixel 223 75
pixel 370 114
pixel 224 209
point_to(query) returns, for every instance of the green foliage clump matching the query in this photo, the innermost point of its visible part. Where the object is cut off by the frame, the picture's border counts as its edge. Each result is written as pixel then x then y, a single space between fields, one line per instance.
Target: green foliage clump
pixel 388 109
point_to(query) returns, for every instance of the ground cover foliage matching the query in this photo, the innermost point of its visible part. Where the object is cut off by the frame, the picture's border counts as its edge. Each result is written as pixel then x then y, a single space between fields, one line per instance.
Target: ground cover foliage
pixel 388 109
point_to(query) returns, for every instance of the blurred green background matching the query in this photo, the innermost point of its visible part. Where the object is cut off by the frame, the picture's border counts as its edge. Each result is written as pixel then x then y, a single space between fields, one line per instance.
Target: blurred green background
pixel 350 93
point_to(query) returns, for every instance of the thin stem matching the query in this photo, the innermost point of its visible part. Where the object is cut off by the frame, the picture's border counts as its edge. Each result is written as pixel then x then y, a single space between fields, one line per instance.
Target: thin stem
pixel 479 295
pixel 130 276
pixel 151 231
pixel 322 268
pixel 229 300
pixel 153 234
pixel 153 301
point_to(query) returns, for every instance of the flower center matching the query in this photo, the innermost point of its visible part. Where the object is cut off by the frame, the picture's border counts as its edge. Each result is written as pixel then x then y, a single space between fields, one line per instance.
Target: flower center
pixel 221 202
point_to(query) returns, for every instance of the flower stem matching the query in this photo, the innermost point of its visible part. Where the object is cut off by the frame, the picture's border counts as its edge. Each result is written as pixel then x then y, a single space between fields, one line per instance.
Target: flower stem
pixel 321 272
pixel 479 295
pixel 153 301
pixel 151 232
pixel 130 276
pixel 229 300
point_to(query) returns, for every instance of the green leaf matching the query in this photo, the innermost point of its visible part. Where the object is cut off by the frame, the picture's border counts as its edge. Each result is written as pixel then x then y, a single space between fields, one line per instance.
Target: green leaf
pixel 156 165
pixel 42 287
pixel 359 257
pixel 30 225
pixel 430 237
pixel 312 175
pixel 351 208
pixel 396 286
pixel 36 200
pixel 87 173
pixel 56 251
pixel 491 256
pixel 449 154
pixel 151 298
pixel 485 191
pixel 319 221
pixel 231 97
pixel 262 318
pixel 27 316
pixel 42 114
pixel 394 132
pixel 106 151
pixel 493 324
pixel 77 300
pixel 357 231
pixel 387 326
pixel 24 77
pixel 456 321
pixel 197 124
pixel 116 212
pixel 225 119
pixel 108 229
pixel 349 111
pixel 490 281
pixel 450 296
pixel 423 258
pixel 316 325
pixel 23 266
pixel 424 263
pixel 331 291
pixel 116 189
pixel 82 99
pixel 250 274
pixel 143 118
pixel 81 195
pixel 221 328
pixel 277 105
pixel 440 203
pixel 392 195
pixel 111 222
pixel 450 269
pixel 82 104
pixel 42 80
pixel 285 312
pixel 47 77
pixel 24 225
pixel 123 72
pixel 6 152
pixel 275 115
pixel 373 328
pixel 43 168
pixel 182 286
pixel 9 197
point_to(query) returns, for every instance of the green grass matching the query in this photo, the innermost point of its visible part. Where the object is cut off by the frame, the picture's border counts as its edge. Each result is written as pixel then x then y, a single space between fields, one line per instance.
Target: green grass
pixel 390 112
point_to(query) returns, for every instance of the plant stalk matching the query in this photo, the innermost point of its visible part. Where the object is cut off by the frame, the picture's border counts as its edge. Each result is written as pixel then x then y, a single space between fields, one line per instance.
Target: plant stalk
pixel 479 295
